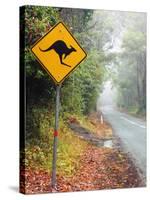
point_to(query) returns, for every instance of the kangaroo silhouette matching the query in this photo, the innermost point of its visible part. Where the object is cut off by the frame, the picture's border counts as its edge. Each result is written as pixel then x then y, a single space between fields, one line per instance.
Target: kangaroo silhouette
pixel 61 49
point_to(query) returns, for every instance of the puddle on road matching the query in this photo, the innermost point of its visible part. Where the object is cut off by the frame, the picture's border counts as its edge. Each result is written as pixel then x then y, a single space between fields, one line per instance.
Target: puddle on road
pixel 108 143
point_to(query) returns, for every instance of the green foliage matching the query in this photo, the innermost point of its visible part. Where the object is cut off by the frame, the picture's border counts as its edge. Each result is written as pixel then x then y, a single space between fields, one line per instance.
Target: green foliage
pixel 130 79
pixel 76 19
pixel 38 20
pixel 80 91
pixel 38 122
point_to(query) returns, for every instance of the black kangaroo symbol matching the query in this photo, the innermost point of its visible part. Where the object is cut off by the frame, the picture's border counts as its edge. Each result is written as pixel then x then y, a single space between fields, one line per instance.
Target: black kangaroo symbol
pixel 61 49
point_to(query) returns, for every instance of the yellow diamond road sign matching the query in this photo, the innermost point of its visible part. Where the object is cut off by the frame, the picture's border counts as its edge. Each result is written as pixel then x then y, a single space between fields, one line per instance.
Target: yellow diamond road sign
pixel 58 52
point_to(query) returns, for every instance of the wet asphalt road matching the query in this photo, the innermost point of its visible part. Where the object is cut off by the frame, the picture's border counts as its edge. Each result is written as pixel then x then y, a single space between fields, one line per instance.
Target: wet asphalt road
pixel 132 133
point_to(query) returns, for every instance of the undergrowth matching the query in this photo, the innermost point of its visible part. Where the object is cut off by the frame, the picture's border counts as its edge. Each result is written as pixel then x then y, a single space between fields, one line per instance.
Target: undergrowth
pixel 38 150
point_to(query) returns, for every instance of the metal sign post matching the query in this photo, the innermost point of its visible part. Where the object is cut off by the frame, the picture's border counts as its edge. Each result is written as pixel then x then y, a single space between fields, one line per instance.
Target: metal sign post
pixel 55 136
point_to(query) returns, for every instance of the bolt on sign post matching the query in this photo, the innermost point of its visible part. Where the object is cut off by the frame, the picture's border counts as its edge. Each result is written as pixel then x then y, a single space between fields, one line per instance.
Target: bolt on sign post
pixel 59 53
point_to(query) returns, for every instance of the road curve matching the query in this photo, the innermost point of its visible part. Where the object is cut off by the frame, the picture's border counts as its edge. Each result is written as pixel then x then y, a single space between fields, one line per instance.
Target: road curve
pixel 132 133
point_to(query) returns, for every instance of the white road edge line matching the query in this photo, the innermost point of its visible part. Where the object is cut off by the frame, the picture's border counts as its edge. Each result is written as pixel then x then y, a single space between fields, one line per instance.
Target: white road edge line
pixel 133 122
